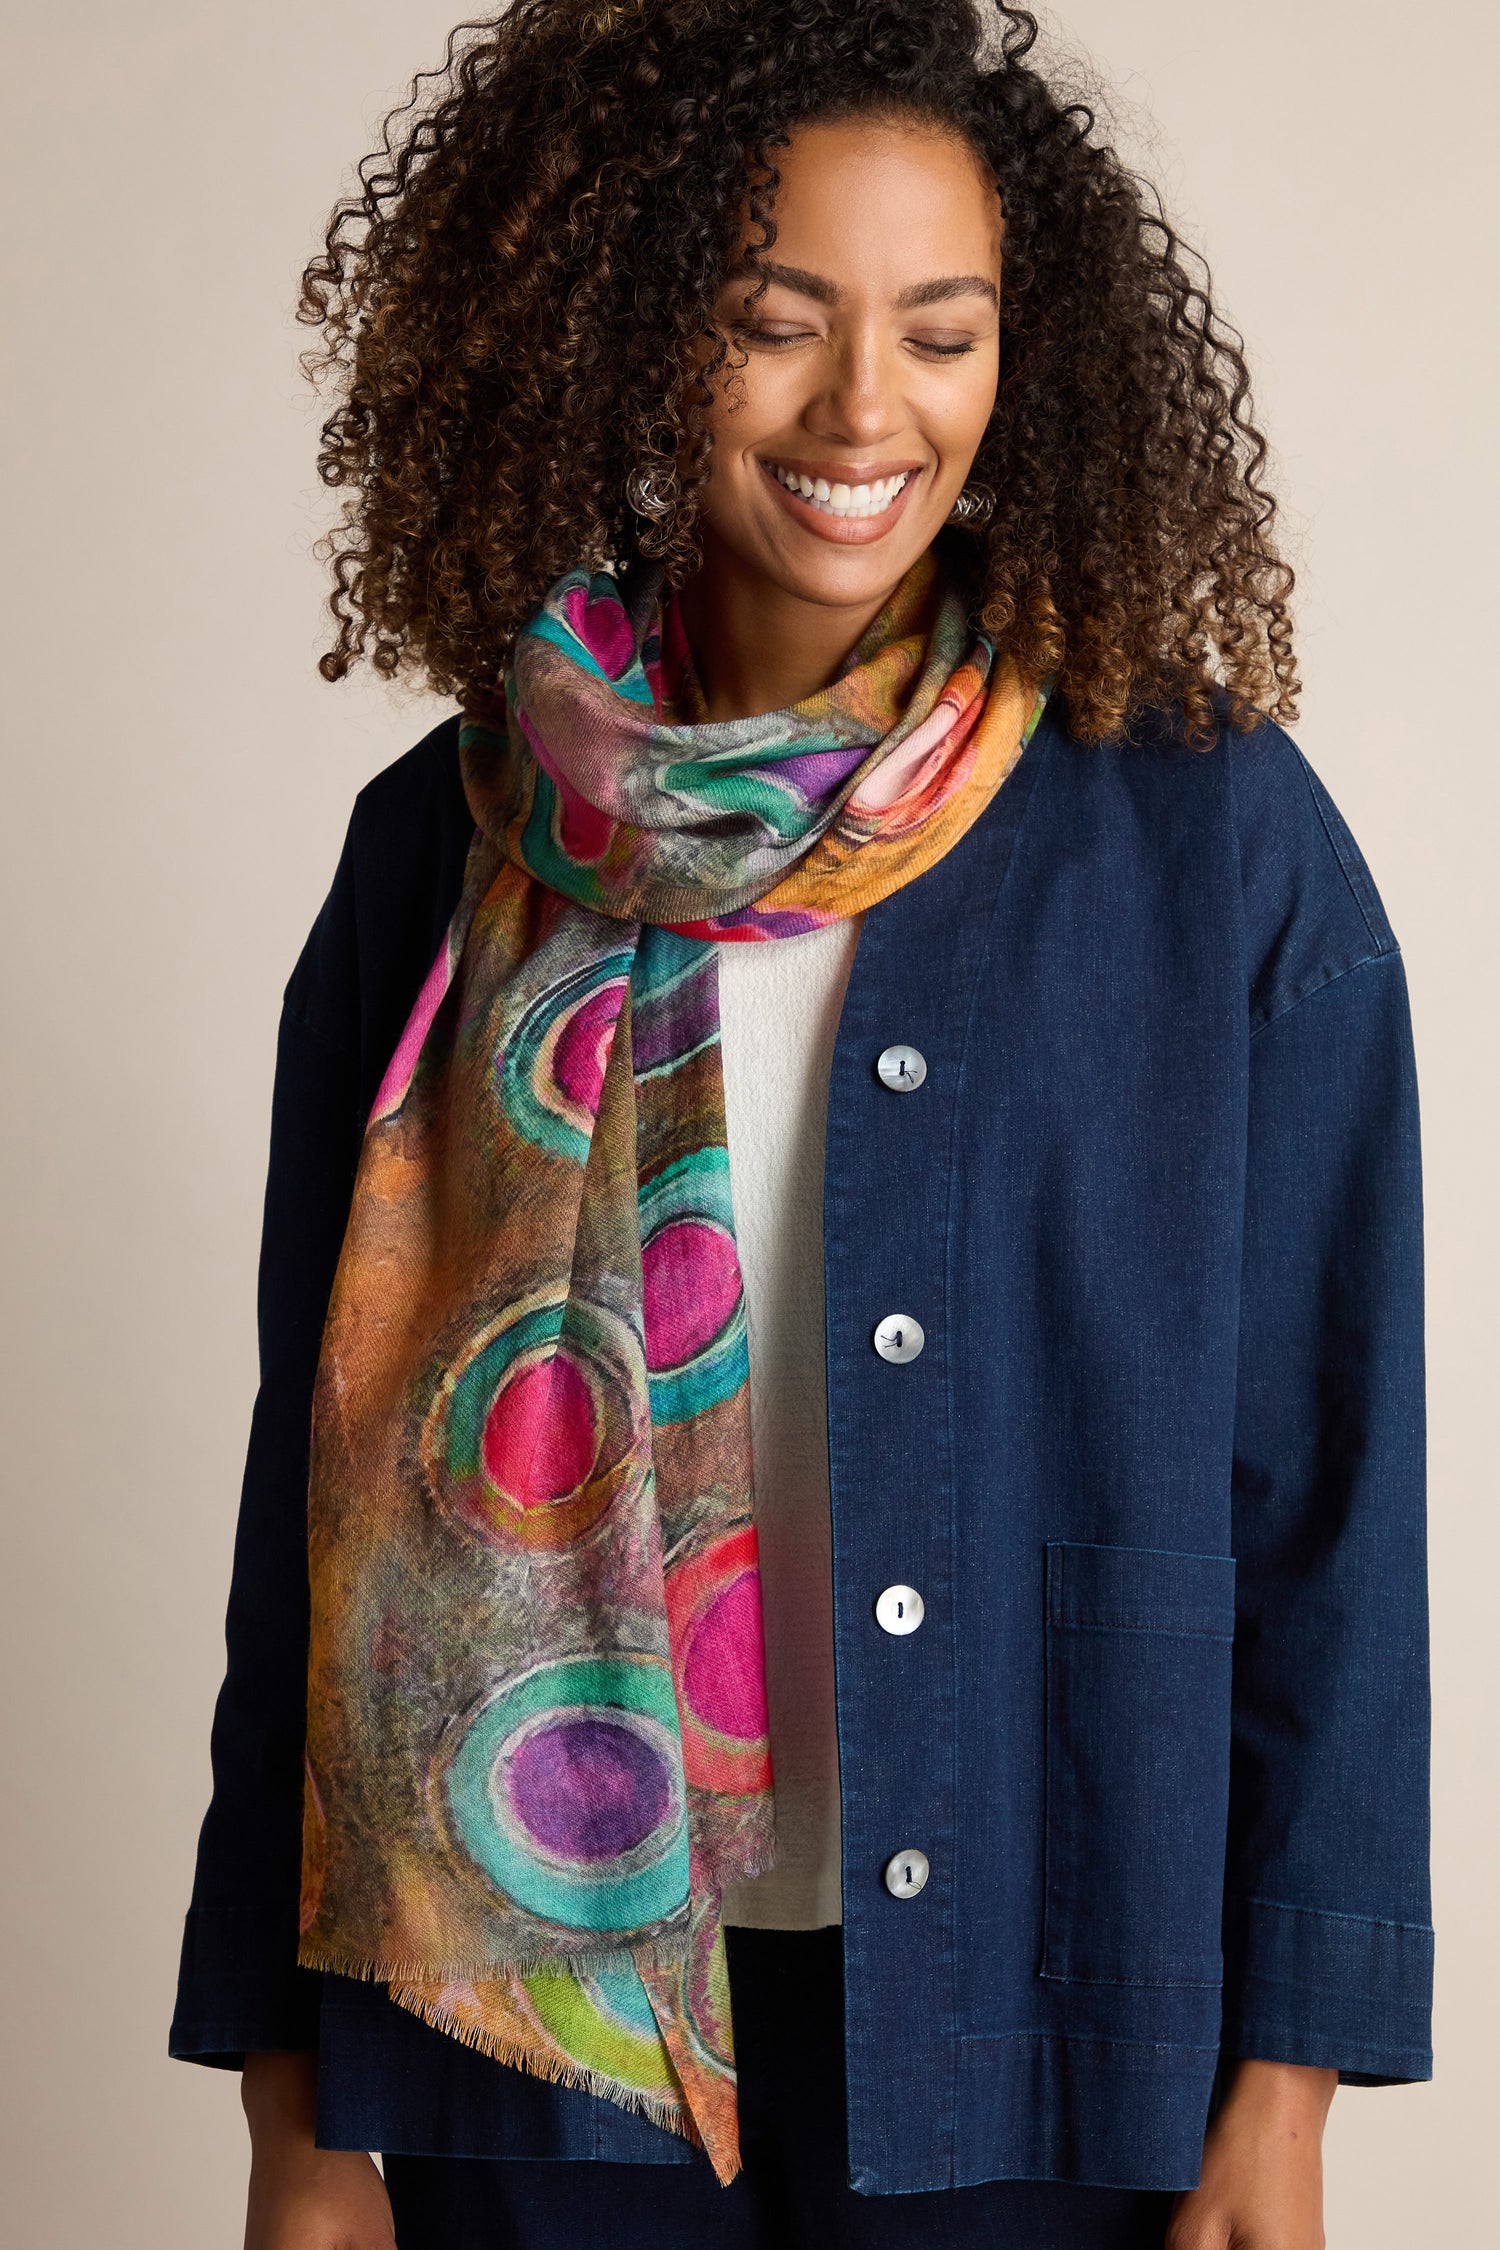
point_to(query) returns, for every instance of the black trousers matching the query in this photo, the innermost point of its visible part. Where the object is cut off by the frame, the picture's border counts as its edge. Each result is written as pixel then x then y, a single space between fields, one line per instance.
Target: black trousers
pixel 793 2193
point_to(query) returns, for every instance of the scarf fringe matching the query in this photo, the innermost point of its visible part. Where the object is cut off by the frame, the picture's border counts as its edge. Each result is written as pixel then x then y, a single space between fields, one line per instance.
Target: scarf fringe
pixel 657 1954
pixel 672 2116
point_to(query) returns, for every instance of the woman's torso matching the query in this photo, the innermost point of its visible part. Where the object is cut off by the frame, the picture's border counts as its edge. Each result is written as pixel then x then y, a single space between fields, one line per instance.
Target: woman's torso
pixel 1061 1205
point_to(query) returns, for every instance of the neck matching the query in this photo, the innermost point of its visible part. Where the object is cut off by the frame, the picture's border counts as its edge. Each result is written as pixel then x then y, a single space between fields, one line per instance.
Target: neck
pixel 756 646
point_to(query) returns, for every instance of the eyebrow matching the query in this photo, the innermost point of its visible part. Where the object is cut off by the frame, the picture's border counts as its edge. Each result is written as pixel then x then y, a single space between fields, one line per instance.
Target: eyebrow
pixel 824 292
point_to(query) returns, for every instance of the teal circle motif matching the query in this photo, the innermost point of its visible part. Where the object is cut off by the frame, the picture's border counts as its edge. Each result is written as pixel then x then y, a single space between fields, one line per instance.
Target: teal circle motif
pixel 535 1105
pixel 696 1187
pixel 620 1995
pixel 481 1376
pixel 523 1847
pixel 604 1354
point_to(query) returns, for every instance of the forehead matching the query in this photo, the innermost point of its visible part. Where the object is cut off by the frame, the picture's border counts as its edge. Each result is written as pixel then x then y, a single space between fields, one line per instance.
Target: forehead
pixel 883 202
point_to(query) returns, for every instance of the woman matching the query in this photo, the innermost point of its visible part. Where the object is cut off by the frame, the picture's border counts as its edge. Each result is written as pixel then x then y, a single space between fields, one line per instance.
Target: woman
pixel 800 448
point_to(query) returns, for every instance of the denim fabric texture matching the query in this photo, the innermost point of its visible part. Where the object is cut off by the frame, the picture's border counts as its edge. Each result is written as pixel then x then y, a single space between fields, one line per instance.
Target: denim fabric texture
pixel 1158 1475
pixel 793 2193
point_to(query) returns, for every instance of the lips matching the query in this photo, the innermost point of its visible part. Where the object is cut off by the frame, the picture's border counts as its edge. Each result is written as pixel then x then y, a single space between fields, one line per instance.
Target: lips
pixel 844 503
pixel 841 496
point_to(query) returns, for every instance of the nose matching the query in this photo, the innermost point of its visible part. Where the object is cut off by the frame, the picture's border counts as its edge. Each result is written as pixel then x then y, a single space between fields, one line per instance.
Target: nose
pixel 859 401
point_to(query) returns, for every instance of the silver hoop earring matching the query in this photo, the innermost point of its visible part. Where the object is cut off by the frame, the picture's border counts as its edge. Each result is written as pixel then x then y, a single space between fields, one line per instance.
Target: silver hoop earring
pixel 974 506
pixel 651 493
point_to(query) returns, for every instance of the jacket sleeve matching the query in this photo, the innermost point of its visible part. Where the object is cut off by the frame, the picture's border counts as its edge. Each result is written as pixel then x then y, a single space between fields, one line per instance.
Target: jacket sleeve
pixel 1328 1941
pixel 239 1987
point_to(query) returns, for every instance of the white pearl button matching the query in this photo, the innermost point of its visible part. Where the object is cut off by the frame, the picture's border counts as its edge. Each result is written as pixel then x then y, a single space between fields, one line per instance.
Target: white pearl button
pixel 899 1609
pixel 899 1338
pixel 906 1873
pixel 902 1069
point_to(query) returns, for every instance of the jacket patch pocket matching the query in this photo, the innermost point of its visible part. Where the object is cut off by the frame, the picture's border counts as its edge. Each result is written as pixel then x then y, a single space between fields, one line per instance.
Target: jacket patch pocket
pixel 1138 1684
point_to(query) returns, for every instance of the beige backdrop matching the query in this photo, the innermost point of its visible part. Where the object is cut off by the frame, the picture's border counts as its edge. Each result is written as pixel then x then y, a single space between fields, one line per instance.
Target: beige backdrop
pixel 178 781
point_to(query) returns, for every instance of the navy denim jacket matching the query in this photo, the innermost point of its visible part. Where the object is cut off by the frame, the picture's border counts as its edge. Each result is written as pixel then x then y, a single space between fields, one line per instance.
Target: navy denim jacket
pixel 1158 1476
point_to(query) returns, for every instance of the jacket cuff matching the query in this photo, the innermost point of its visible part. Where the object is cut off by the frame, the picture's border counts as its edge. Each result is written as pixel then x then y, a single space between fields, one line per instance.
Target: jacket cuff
pixel 1336 1991
pixel 239 1989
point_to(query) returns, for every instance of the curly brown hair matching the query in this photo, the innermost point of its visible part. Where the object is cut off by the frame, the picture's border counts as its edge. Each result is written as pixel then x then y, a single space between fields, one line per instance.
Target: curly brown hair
pixel 517 312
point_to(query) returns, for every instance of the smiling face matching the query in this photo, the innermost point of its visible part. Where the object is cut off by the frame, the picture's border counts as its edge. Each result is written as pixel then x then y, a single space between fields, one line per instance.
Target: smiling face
pixel 871 362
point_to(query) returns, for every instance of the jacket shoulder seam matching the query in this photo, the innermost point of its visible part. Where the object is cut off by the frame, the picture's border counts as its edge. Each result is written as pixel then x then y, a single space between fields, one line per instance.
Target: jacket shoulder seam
pixel 1338 852
pixel 1330 976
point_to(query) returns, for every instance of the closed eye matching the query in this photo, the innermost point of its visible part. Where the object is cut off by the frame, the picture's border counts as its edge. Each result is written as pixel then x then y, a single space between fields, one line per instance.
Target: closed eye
pixel 750 334
pixel 773 338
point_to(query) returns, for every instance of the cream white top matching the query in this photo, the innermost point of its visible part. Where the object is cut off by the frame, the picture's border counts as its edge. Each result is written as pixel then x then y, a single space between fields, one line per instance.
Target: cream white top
pixel 779 1006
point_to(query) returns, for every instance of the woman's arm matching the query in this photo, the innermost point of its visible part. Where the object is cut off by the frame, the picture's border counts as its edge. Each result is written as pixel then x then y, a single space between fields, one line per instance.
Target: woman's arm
pixel 393 892
pixel 1328 1948
pixel 303 2197
pixel 241 1997
pixel 1328 1943
pixel 242 2000
pixel 1327 1938
pixel 1262 2181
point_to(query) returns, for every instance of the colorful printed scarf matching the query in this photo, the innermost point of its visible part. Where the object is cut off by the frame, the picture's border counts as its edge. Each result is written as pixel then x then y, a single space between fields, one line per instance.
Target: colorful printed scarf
pixel 537 1746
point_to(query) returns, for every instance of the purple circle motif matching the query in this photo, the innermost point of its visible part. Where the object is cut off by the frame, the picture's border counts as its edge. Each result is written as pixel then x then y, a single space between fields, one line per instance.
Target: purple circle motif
pixel 588 1789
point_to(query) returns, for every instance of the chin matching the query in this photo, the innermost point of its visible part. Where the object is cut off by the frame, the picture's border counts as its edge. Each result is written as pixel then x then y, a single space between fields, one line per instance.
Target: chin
pixel 838 576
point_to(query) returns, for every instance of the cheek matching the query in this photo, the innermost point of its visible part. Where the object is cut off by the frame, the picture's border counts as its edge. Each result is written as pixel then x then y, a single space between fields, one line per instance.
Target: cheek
pixel 954 414
pixel 748 405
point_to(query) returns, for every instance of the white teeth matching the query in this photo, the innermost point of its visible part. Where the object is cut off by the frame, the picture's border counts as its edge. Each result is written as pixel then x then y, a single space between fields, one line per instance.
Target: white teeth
pixel 842 499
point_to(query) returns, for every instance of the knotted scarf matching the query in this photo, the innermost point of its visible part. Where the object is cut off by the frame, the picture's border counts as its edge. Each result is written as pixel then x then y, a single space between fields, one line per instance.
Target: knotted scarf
pixel 536 1738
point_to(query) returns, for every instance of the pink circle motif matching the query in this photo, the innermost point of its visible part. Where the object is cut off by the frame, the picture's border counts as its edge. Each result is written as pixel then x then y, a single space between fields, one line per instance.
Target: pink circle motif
pixel 541 1434
pixel 603 628
pixel 691 1285
pixel 713 1609
pixel 724 1670
pixel 585 830
pixel 583 1044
